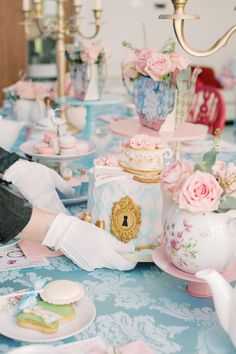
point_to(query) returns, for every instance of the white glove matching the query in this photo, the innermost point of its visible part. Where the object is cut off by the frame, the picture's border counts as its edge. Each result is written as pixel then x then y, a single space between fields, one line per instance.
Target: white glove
pixel 87 245
pixel 38 183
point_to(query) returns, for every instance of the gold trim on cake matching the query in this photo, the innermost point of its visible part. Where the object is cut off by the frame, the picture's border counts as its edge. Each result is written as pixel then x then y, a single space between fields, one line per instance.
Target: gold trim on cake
pixel 134 170
pixel 144 179
pixel 125 219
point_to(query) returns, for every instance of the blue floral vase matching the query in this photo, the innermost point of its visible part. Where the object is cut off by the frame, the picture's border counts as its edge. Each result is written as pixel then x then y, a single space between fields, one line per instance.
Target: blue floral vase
pixel 154 101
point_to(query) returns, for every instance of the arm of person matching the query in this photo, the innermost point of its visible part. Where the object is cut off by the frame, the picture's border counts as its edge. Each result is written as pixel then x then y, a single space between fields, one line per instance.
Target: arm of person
pixel 7 159
pixel 86 245
pixel 25 175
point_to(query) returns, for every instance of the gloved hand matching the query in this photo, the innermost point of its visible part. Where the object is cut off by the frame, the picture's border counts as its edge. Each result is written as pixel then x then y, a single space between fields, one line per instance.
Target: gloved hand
pixel 38 183
pixel 87 245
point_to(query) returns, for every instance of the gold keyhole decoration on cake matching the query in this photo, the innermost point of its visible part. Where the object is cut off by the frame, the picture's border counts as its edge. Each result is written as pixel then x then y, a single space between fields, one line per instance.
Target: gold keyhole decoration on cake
pixel 125 219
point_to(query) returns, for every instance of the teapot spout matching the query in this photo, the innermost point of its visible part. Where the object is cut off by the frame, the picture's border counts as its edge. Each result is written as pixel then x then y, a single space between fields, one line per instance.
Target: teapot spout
pixel 222 293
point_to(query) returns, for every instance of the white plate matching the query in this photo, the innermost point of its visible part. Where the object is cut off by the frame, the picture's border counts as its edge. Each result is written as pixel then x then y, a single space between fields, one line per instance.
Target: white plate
pixel 76 200
pixel 85 315
pixel 28 149
pixel 10 243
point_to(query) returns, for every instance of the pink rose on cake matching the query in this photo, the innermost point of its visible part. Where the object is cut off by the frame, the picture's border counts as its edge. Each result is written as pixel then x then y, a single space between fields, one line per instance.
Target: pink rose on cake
pixel 142 141
pixel 107 160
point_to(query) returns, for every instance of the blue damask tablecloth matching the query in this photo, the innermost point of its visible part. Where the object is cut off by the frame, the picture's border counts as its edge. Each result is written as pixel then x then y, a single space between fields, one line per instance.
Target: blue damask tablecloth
pixel 145 303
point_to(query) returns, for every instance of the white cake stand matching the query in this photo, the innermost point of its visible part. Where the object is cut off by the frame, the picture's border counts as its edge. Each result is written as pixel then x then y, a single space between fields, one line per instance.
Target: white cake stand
pixel 60 160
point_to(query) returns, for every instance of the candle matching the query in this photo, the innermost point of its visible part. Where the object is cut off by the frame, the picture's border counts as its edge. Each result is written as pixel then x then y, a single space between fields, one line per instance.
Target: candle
pixel 26 4
pixel 98 4
pixel 77 2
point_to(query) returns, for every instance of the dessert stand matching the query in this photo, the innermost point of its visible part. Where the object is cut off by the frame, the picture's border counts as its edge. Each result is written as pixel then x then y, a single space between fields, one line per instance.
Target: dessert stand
pixel 185 132
pixel 195 287
pixel 90 127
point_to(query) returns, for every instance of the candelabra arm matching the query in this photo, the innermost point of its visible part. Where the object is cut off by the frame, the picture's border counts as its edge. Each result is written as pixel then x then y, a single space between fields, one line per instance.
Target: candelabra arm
pixel 178 18
pixel 97 16
pixel 221 42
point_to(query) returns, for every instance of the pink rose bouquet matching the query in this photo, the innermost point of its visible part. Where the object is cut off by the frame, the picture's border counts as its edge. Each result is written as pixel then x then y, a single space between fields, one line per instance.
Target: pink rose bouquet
pixel 28 90
pixel 90 53
pixel 148 62
pixel 208 185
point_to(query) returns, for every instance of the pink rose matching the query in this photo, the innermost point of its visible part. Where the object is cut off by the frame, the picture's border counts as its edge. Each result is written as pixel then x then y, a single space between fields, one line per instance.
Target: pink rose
pixel 107 160
pixel 141 141
pixel 173 175
pixel 142 54
pixel 158 65
pixel 219 169
pixel 200 193
pixel 89 54
pixel 179 61
pixel 128 68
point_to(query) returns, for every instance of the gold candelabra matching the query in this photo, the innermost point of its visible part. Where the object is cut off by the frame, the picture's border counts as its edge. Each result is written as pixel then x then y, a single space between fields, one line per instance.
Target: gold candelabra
pixel 59 29
pixel 179 16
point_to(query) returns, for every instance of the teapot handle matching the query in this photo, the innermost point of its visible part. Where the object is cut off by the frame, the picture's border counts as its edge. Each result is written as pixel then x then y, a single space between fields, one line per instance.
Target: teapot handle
pixel 127 86
pixel 167 153
pixel 231 221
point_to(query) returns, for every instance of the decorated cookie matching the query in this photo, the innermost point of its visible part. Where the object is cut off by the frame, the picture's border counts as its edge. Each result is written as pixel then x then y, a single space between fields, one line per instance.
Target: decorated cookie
pixel 45 317
pixel 62 292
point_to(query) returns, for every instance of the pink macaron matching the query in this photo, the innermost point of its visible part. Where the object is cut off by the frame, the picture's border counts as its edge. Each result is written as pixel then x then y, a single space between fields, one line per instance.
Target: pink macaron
pixel 49 135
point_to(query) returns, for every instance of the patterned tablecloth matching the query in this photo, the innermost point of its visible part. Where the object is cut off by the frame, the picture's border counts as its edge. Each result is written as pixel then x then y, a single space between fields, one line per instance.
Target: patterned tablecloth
pixel 145 303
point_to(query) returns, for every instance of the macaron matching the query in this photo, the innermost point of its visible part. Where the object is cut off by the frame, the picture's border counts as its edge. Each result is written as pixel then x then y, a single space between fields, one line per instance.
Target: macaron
pixel 62 292
pixel 55 145
pixel 49 135
pixel 67 141
pixel 46 150
pixel 82 146
pixel 39 146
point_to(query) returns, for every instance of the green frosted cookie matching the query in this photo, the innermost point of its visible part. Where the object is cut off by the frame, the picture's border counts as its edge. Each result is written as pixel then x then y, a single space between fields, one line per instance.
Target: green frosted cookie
pixel 45 317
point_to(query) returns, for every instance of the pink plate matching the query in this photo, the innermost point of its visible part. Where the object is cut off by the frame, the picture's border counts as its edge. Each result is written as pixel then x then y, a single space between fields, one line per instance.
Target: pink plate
pixel 28 149
pixel 186 131
pixel 195 286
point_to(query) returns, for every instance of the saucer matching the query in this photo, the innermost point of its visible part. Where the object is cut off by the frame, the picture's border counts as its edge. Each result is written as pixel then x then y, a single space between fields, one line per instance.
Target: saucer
pixel 126 166
pixel 195 287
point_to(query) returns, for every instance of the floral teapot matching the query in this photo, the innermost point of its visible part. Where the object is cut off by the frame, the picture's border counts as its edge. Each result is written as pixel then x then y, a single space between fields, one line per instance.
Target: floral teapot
pixel 199 213
pixel 197 241
pixel 224 297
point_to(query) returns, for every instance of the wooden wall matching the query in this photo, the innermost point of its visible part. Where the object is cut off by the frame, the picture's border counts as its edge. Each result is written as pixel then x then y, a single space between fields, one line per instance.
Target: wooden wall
pixel 13 48
pixel 13 44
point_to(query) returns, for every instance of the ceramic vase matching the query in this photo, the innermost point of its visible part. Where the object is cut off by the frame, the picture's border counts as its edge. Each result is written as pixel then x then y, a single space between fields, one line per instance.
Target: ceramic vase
pixel 88 80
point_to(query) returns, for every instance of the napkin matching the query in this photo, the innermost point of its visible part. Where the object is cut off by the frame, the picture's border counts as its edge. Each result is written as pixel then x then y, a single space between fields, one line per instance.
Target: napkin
pixel 34 250
pixel 138 347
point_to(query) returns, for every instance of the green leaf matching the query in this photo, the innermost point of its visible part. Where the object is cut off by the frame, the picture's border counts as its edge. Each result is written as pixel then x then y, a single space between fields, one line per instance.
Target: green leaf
pixel 206 162
pixel 227 203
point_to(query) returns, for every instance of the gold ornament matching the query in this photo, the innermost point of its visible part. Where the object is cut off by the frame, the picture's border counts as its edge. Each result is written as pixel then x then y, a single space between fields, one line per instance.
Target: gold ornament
pixel 101 224
pixel 125 219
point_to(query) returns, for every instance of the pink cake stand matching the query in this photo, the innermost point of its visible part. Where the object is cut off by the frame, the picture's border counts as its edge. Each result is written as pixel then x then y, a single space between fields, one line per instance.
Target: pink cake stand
pixel 195 286
pixel 185 132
